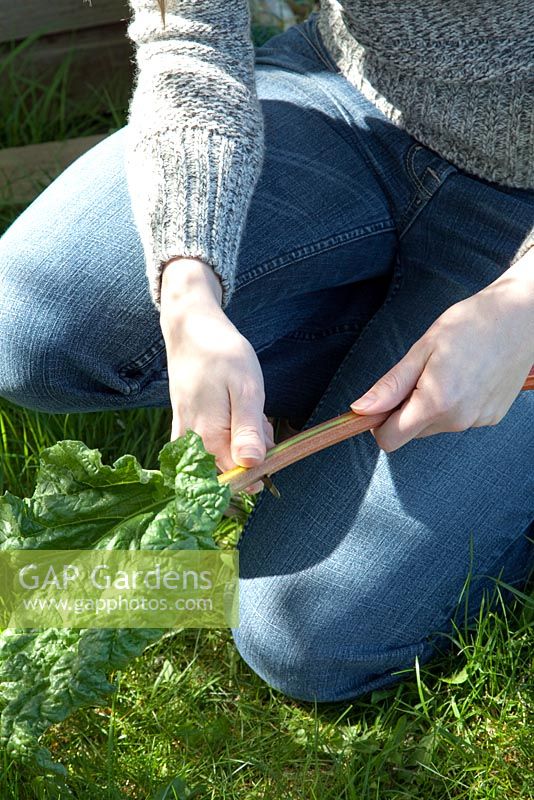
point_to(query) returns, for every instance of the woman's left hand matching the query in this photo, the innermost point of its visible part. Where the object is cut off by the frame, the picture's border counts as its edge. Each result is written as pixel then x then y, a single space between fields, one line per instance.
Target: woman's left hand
pixel 465 371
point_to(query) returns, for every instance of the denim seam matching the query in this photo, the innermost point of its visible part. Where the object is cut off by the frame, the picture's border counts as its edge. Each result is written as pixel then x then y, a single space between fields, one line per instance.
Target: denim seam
pixel 381 652
pixel 409 163
pixel 419 202
pixel 409 216
pixel 357 141
pixel 305 336
pixel 392 291
pixel 143 360
pixel 324 56
pixel 322 245
pixel 438 175
pixel 353 140
pixel 423 192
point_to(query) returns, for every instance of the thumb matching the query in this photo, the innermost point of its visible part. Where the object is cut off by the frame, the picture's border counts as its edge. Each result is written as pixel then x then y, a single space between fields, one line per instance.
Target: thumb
pixel 247 438
pixel 396 384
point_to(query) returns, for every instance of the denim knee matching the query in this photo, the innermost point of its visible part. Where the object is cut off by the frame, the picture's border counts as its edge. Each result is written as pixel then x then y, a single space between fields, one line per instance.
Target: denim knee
pixel 44 368
pixel 307 664
pixel 26 357
pixel 30 366
pixel 322 655
pixel 69 322
pixel 49 360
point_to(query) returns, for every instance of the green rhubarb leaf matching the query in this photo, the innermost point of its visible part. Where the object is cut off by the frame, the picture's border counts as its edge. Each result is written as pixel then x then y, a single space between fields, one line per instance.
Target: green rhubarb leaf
pixel 81 503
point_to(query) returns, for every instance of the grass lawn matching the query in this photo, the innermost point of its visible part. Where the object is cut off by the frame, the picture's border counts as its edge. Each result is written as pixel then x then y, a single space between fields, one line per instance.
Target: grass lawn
pixel 462 727
pixel 190 719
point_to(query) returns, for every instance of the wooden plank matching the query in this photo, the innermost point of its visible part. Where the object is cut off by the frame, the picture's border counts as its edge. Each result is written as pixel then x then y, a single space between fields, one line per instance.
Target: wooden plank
pixel 99 57
pixel 55 16
pixel 26 171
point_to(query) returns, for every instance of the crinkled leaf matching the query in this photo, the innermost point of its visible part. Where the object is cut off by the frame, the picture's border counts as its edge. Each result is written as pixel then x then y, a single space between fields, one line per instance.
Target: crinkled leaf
pixel 80 503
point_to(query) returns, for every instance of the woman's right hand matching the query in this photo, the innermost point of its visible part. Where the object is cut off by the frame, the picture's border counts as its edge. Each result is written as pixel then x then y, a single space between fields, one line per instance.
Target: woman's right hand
pixel 215 379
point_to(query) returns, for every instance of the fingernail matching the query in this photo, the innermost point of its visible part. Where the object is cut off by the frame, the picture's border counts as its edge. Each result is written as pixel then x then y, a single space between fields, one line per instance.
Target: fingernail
pixel 249 452
pixel 365 401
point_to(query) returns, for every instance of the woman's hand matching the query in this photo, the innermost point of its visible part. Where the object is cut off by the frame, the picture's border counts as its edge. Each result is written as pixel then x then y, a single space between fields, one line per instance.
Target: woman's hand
pixel 215 379
pixel 466 370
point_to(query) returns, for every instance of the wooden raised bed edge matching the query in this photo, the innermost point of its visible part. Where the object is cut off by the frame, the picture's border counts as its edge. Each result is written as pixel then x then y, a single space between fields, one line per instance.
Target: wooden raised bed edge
pixel 26 171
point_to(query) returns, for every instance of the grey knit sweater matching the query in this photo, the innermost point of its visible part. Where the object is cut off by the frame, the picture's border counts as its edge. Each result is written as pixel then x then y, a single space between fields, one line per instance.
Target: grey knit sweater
pixel 457 74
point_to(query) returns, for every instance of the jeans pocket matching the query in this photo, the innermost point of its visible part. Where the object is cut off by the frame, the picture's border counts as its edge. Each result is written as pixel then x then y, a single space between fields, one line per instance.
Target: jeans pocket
pixel 425 172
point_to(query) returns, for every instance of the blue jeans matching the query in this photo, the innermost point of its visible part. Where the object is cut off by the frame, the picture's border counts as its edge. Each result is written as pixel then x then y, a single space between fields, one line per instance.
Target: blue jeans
pixel 357 238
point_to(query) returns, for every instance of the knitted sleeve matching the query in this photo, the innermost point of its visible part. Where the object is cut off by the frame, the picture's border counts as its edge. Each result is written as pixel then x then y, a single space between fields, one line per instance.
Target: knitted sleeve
pixel 195 136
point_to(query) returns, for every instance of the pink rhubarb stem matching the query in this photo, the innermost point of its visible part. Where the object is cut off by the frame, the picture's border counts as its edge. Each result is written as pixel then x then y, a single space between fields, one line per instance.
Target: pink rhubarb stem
pixel 310 441
pixel 302 444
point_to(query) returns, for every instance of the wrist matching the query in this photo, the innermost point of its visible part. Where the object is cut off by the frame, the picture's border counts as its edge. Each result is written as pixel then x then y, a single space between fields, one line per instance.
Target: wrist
pixel 517 283
pixel 186 280
pixel 511 308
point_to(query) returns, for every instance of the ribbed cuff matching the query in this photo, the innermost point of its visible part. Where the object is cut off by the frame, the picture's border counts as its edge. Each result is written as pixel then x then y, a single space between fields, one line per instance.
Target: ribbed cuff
pixel 190 191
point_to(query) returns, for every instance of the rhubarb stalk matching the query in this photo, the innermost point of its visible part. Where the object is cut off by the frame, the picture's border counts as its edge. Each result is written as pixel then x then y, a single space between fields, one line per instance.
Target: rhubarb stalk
pixel 310 441
pixel 302 444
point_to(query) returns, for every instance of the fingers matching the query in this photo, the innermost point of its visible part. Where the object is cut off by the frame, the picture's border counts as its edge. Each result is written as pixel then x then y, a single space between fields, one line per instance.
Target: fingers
pixel 436 405
pixel 396 384
pixel 405 424
pixel 248 445
pixel 217 439
pixel 269 441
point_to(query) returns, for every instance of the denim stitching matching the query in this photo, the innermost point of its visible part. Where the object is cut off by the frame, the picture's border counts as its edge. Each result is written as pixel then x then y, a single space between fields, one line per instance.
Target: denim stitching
pixel 431 168
pixel 323 54
pixel 299 335
pixel 311 336
pixel 417 205
pixel 409 163
pixel 380 652
pixel 395 285
pixel 425 193
pixel 349 132
pixel 142 360
pixel 305 251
